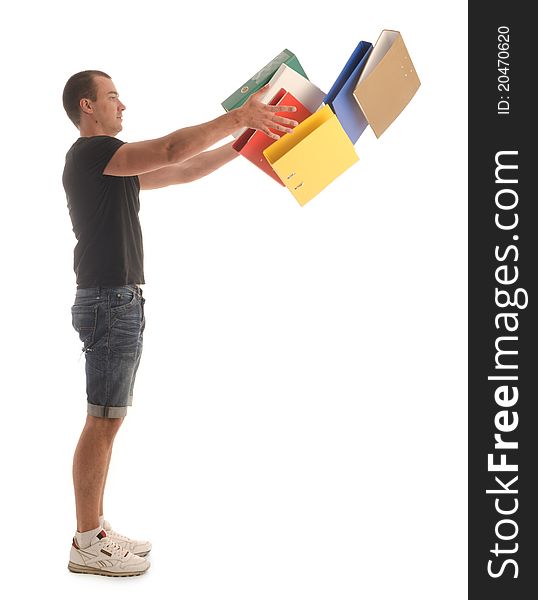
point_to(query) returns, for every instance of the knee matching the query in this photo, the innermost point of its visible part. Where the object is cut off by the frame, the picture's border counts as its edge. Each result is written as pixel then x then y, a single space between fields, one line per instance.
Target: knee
pixel 104 426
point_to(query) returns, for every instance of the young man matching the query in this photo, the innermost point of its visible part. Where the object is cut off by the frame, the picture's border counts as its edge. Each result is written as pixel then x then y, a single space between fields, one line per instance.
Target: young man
pixel 102 179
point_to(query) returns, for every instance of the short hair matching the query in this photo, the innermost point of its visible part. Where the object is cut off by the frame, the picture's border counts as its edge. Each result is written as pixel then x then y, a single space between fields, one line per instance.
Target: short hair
pixel 78 86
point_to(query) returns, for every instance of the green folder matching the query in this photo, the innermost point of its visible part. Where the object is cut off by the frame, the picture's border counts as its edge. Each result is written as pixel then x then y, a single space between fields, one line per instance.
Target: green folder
pixel 257 81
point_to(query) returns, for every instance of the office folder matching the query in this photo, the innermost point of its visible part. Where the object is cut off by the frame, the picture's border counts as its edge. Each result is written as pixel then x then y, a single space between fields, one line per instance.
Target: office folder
pixel 308 94
pixel 239 97
pixel 252 142
pixel 387 82
pixel 340 97
pixel 314 155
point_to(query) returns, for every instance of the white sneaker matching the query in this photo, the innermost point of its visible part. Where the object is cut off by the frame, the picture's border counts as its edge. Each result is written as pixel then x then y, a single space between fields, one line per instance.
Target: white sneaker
pixel 138 547
pixel 105 557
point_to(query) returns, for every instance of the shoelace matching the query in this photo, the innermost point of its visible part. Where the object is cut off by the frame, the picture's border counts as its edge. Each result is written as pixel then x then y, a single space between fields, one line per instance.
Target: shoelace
pixel 115 534
pixel 116 550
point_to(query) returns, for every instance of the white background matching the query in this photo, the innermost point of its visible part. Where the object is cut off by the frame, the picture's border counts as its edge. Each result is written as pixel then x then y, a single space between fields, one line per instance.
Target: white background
pixel 299 422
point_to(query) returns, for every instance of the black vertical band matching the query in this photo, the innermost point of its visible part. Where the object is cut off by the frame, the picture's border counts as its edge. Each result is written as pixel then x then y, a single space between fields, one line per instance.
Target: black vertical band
pixel 503 258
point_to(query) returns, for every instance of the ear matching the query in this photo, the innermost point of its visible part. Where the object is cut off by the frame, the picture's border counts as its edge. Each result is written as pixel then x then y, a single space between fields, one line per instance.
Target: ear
pixel 85 106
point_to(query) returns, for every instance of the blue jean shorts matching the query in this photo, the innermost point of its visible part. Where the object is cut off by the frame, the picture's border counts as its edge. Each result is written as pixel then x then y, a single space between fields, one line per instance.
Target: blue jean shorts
pixel 110 322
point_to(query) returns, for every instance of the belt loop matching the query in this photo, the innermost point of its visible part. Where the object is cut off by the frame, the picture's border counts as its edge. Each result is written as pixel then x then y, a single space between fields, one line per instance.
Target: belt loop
pixel 98 292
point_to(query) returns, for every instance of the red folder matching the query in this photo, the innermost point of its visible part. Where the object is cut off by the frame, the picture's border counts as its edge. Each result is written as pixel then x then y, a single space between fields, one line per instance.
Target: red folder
pixel 253 142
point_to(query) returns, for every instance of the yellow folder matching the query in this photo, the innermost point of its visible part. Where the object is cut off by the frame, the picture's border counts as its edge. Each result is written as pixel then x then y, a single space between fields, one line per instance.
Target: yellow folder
pixel 314 155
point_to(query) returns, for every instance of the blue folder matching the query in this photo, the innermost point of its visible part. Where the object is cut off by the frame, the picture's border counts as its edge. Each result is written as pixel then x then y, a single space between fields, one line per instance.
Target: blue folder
pixel 340 97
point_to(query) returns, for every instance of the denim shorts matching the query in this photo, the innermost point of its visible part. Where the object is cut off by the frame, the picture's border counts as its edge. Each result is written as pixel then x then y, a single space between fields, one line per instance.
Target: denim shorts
pixel 110 322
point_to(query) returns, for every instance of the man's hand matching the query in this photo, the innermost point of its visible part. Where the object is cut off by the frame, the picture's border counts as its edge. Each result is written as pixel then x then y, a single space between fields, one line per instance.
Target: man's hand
pixel 257 115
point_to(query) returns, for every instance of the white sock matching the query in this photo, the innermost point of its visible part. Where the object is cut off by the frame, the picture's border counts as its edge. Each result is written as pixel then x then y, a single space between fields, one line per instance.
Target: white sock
pixel 84 538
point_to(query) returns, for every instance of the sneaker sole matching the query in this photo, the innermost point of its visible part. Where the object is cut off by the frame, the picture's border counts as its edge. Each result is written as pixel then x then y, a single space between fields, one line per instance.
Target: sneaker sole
pixel 74 568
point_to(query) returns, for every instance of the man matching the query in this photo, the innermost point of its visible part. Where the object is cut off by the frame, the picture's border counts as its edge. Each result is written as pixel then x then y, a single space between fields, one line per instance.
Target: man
pixel 102 179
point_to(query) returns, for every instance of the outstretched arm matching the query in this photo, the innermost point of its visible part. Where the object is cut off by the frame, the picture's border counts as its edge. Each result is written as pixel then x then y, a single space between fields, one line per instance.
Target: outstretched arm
pixel 194 168
pixel 142 157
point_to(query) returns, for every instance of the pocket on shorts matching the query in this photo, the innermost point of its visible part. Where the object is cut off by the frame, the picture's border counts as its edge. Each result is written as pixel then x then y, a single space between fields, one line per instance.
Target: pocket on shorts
pixel 122 300
pixel 126 320
pixel 84 321
pixel 143 326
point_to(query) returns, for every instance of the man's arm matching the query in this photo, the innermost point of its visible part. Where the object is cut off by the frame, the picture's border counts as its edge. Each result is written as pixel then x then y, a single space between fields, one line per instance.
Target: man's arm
pixel 189 170
pixel 141 157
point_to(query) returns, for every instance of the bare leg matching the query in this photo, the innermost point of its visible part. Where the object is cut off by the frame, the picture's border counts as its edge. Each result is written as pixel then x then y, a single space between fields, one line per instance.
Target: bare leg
pixel 104 483
pixel 90 465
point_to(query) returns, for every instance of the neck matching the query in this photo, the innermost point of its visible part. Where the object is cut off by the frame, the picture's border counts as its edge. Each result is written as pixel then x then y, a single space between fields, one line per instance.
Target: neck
pixel 91 129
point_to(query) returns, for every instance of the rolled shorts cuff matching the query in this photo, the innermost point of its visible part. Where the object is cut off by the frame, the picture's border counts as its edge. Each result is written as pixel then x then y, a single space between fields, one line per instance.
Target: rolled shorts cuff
pixel 108 412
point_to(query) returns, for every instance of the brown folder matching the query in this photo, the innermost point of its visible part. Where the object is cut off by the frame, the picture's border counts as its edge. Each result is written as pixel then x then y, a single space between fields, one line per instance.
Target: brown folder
pixel 387 83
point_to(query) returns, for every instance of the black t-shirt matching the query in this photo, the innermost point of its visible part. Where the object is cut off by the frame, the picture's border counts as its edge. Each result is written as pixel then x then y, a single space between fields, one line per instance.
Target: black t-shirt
pixel 104 213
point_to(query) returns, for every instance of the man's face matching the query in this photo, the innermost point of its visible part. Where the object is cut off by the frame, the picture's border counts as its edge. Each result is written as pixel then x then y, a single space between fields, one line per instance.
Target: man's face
pixel 108 108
